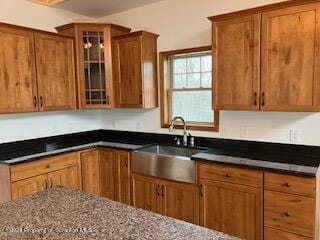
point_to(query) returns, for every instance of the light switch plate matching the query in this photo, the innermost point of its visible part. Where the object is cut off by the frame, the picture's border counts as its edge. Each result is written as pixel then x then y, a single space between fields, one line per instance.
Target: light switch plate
pixel 295 135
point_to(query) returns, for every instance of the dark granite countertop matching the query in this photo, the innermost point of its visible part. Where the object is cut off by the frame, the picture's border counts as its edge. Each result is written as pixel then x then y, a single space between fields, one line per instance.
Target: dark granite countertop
pixel 61 213
pixel 297 159
pixel 53 149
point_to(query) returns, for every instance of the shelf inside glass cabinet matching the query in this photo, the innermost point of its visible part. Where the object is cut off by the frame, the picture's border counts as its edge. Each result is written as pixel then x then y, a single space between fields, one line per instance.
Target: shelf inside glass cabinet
pixel 94 68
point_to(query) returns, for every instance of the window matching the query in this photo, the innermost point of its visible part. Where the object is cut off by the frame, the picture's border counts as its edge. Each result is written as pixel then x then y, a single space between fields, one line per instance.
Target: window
pixel 186 88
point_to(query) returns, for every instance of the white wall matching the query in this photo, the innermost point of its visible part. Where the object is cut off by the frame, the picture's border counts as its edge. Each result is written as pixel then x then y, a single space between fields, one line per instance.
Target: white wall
pixel 183 24
pixel 32 125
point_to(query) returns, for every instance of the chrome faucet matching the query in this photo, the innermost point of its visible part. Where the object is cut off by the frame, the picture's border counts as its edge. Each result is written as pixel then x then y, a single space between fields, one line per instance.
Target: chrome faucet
pixel 185 135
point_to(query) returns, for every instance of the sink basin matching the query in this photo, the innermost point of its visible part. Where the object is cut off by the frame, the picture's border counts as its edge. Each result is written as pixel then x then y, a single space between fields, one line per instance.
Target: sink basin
pixel 168 162
pixel 172 150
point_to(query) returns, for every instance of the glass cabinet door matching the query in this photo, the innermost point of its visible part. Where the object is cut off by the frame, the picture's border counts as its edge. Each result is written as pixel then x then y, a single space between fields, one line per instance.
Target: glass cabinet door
pixel 94 68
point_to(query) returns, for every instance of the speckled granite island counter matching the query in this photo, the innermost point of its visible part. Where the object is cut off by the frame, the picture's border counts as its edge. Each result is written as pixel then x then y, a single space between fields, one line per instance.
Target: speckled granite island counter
pixel 61 213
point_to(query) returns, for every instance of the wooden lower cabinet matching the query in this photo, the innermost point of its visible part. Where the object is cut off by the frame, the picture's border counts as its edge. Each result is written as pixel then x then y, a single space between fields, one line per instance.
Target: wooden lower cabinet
pixel 28 186
pixel 181 201
pixel 68 177
pixel 146 193
pixel 173 199
pixel 273 234
pixel 44 179
pixel 106 173
pixel 231 208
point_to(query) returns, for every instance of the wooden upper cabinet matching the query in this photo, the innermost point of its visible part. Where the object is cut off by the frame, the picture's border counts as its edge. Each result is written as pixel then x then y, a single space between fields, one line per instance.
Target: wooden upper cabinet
pixel 290 59
pixel 55 72
pixel 286 36
pixel 17 70
pixel 236 51
pixel 136 70
pixel 94 59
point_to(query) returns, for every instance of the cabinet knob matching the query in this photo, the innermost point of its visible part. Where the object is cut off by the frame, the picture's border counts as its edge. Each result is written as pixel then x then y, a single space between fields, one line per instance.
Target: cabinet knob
pixel 35 101
pixel 41 101
pixel 228 175
pixel 158 190
pixel 263 100
pixel 286 214
pixel 255 100
pixel 287 184
pixel 162 191
pixel 201 190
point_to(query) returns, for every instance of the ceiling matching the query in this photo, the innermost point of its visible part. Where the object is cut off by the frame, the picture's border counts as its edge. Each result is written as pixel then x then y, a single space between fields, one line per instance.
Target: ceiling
pixel 100 8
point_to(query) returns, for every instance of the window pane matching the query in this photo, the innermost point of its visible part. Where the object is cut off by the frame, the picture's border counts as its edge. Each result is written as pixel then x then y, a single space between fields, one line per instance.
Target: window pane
pixel 193 64
pixel 179 65
pixel 206 63
pixel 206 80
pixel 194 80
pixel 193 106
pixel 179 80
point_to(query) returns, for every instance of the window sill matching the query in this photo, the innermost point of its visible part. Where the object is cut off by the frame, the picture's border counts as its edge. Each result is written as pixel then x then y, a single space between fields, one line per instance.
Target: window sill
pixel 211 128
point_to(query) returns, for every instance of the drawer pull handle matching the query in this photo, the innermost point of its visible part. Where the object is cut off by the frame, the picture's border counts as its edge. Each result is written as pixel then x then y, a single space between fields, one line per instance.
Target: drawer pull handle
pixel 287 184
pixel 286 214
pixel 48 166
pixel 228 175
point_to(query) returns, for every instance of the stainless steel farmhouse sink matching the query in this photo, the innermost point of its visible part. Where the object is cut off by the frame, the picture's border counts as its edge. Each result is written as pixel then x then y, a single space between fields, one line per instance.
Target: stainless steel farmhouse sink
pixel 168 162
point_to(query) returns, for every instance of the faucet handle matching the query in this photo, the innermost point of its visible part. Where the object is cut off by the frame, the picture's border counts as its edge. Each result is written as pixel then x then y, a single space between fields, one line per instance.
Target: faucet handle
pixel 191 140
pixel 177 140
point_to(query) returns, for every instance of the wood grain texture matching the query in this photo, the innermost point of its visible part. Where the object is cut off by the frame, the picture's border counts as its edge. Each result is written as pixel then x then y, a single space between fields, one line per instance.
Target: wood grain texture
pixel 17 70
pixel 110 31
pixel 90 172
pixel 28 186
pixel 67 177
pixel 290 64
pixel 219 172
pixel 304 186
pixel 107 173
pixel 55 72
pixel 136 70
pixel 122 176
pixel 5 185
pixel 290 213
pixel 180 201
pixel 273 234
pixel 236 64
pixel 231 208
pixel 145 193
pixel 45 165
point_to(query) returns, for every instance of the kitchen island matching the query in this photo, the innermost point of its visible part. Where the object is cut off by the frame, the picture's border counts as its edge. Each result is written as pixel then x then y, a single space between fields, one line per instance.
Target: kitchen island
pixel 61 213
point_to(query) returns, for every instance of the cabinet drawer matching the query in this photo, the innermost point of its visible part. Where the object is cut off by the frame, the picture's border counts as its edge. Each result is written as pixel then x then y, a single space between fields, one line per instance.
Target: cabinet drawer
pixel 273 234
pixel 291 213
pixel 290 184
pixel 50 164
pixel 236 175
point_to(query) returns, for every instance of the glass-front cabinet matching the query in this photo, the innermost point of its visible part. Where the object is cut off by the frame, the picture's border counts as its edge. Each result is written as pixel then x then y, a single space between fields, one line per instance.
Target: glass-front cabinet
pixel 94 49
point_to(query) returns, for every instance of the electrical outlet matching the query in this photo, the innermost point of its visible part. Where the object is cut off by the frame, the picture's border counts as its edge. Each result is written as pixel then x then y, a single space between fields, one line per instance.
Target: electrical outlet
pixel 244 131
pixel 295 135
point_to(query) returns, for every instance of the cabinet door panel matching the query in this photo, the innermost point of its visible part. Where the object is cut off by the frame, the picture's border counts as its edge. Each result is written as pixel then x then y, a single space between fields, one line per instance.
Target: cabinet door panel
pixel 145 193
pixel 107 176
pixel 181 201
pixel 232 209
pixel 122 179
pixel 90 172
pixel 28 186
pixel 236 48
pixel 55 71
pixel 67 177
pixel 290 59
pixel 129 72
pixel 17 71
